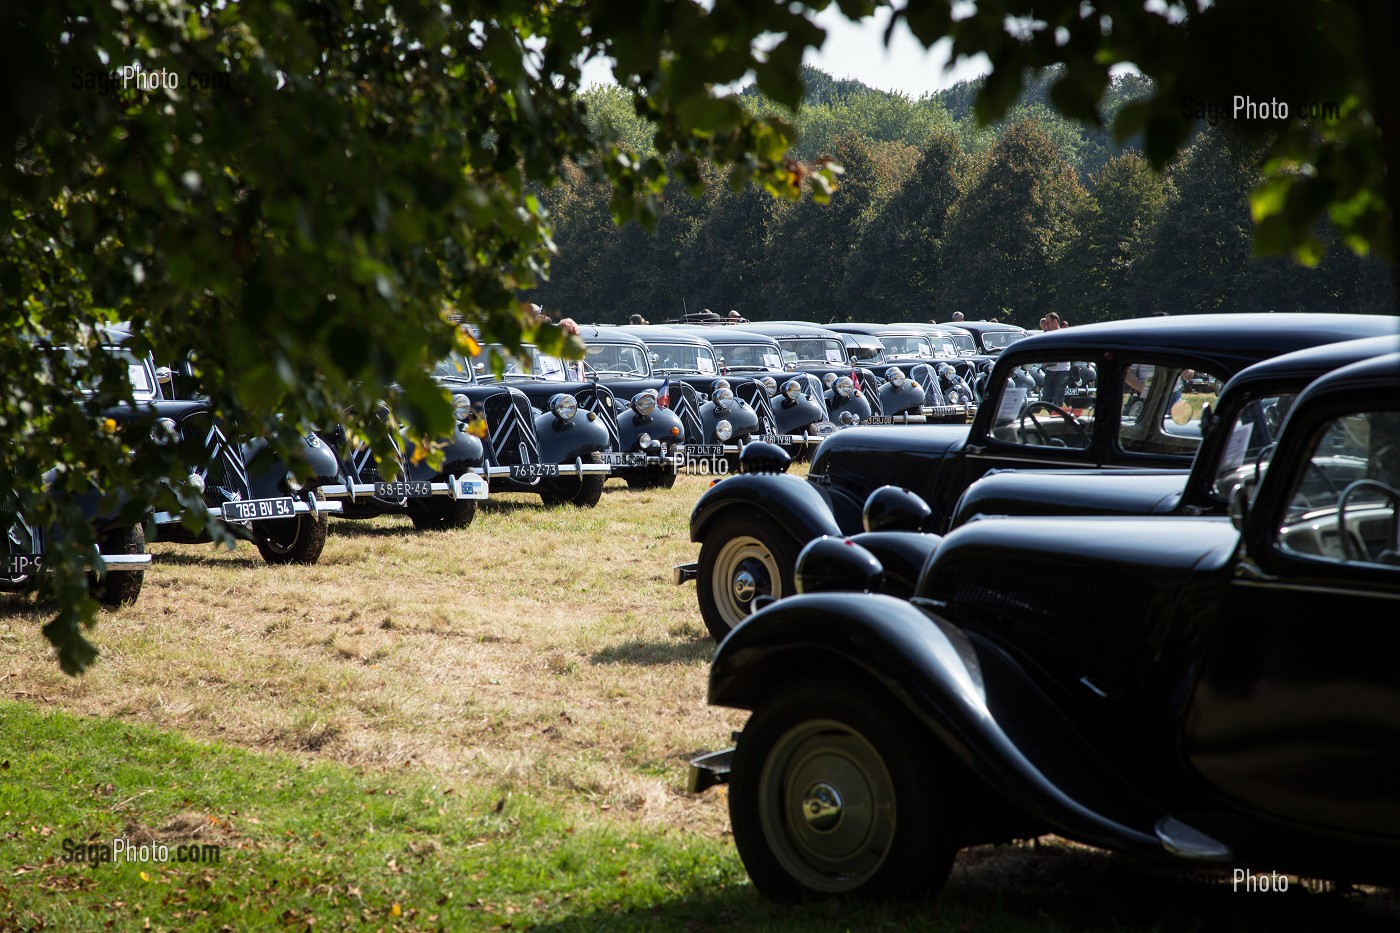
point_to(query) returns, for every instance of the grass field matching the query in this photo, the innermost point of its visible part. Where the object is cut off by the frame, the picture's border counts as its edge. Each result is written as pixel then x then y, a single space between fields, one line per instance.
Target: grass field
pixel 480 729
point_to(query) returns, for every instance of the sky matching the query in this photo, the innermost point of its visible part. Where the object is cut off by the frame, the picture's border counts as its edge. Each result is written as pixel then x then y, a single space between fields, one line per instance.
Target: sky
pixel 857 50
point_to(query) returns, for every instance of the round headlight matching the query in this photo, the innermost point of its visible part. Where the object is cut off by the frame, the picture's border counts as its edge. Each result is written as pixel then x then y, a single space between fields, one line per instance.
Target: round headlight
pixel 723 398
pixel 644 403
pixel 164 431
pixel 847 417
pixel 462 407
pixel 197 482
pixel 895 376
pixel 830 378
pixel 845 387
pixel 644 440
pixel 724 430
pixel 292 483
pixel 719 384
pixel 770 385
pixel 564 406
pixel 792 389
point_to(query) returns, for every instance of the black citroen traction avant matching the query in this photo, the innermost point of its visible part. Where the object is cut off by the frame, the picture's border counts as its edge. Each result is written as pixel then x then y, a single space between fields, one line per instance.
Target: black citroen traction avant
pixel 1132 409
pixel 1182 703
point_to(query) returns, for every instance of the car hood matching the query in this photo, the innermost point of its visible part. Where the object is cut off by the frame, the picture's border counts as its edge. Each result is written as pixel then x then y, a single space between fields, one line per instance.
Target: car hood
pixel 863 459
pixel 1072 492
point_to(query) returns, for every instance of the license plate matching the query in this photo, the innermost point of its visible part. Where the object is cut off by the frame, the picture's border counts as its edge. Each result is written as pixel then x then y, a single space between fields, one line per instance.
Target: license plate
pixel 779 439
pixel 705 450
pixel 533 470
pixel 404 490
pixel 879 419
pixel 255 509
pixel 625 458
pixel 22 565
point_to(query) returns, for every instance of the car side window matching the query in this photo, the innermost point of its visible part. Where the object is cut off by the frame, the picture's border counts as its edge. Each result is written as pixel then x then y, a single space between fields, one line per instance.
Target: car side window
pixel 1161 408
pixel 1047 404
pixel 1344 506
pixel 1245 455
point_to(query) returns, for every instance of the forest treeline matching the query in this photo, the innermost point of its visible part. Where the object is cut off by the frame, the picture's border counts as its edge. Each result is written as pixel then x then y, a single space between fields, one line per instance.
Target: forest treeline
pixel 935 214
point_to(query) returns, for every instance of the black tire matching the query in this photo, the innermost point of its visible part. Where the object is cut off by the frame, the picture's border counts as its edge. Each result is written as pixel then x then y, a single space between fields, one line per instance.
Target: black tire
pixel 581 491
pixel 442 513
pixel 834 793
pixel 291 540
pixel 742 544
pixel 120 587
pixel 653 478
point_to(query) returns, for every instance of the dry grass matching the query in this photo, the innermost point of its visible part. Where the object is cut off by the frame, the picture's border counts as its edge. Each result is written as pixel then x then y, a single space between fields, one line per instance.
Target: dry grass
pixel 540 650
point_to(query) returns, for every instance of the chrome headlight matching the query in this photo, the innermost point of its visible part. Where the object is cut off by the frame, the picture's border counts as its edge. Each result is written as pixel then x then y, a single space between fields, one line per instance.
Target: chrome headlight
pixel 895 377
pixel 293 484
pixel 197 482
pixel 164 431
pixel 644 440
pixel 770 385
pixel 720 384
pixel 462 407
pixel 845 387
pixel 848 418
pixel 792 389
pixel 723 398
pixel 830 378
pixel 724 430
pixel 564 406
pixel 644 402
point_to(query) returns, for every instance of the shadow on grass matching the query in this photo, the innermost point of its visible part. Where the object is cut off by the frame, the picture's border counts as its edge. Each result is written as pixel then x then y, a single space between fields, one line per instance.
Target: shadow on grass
pixel 202 555
pixel 1023 888
pixel 361 528
pixel 507 506
pixel 646 653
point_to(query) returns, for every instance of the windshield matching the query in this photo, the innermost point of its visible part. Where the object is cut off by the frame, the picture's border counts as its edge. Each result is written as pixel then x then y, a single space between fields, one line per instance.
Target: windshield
pixel 456 366
pixel 533 365
pixel 618 359
pixel 965 344
pixel 682 358
pixel 907 346
pixel 762 356
pixel 140 372
pixel 944 346
pixel 1000 339
pixel 813 350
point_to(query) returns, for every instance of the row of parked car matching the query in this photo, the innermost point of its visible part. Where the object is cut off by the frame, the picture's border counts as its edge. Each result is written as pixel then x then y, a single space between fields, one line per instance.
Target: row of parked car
pixel 645 404
pixel 1152 618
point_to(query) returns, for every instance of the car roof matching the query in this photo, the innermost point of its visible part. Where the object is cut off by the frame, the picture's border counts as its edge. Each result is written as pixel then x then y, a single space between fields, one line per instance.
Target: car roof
pixel 1310 363
pixel 986 327
pixel 1378 376
pixel 604 333
pixel 657 333
pixel 790 329
pixel 860 340
pixel 722 335
pixel 1258 335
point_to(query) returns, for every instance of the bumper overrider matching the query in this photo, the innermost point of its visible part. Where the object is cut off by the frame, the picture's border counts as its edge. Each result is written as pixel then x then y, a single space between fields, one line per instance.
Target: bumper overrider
pixel 470 485
pixel 248 511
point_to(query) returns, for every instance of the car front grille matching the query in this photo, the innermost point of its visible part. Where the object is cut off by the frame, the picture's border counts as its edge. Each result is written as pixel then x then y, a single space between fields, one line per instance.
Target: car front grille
pixel 685 402
pixel 512 428
pixel 924 375
pixel 599 400
pixel 869 389
pixel 224 474
pixel 863 473
pixel 756 396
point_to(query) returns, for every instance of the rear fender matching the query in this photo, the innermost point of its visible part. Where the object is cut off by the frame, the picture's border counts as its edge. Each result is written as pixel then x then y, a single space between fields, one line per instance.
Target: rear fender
pixel 794 504
pixel 974 699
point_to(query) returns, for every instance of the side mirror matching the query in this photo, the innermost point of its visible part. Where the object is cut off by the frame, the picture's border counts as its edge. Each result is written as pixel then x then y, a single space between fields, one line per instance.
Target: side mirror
pixel 1239 506
pixel 837 564
pixel 163 375
pixel 480 367
pixel 890 508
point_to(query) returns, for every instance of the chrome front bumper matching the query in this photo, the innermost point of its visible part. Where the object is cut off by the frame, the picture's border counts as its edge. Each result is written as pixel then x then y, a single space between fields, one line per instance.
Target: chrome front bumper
pixel 315 507
pixel 469 486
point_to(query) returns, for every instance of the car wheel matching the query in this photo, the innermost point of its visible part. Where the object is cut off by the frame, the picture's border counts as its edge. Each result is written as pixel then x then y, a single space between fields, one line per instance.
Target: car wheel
pixel 583 491
pixel 292 540
pixel 832 794
pixel 442 513
pixel 123 586
pixel 741 559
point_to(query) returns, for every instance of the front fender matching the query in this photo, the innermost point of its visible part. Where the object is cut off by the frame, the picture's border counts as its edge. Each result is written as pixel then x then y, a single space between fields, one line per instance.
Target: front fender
pixel 791 417
pixel 460 453
pixel 662 425
pixel 794 504
pixel 743 420
pixel 271 480
pixel 567 441
pixel 972 697
pixel 909 399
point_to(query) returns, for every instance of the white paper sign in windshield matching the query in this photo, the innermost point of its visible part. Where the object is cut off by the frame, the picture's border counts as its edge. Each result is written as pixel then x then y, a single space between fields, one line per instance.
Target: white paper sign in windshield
pixel 1236 448
pixel 772 361
pixel 833 355
pixel 705 364
pixel 1011 402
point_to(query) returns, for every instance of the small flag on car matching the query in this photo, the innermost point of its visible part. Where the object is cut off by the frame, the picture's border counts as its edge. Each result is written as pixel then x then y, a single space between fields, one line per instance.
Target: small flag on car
pixel 663 398
pixel 855 378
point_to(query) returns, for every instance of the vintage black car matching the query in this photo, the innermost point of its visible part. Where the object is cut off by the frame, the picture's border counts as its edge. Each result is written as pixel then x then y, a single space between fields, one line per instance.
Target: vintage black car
pixel 1215 693
pixel 545 435
pixel 1243 425
pixel 750 528
pixel 932 361
pixel 434 498
pixel 991 337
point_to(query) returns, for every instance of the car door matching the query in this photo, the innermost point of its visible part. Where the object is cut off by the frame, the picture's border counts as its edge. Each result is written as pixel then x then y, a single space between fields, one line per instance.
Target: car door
pixel 1296 713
